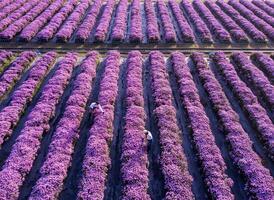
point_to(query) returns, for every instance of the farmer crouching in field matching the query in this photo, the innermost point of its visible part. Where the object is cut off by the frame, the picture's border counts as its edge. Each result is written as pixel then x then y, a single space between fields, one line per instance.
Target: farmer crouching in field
pixel 95 105
pixel 149 139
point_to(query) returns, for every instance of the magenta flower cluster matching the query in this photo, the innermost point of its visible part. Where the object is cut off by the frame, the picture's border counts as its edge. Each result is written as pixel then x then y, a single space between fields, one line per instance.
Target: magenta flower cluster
pixel 10 115
pixel 25 149
pixel 97 159
pixel 59 156
pixel 218 183
pixel 102 29
pixel 254 77
pixel 169 32
pixel 56 21
pixel 247 26
pixel 32 29
pixel 10 8
pixel 152 28
pixel 15 71
pixel 5 3
pixel 19 24
pixel 72 21
pixel 259 182
pixel 235 31
pixel 248 101
pixel 134 159
pixel 257 21
pixel 199 25
pixel 185 30
pixel 212 23
pixel 88 23
pixel 173 161
pixel 135 29
pixel 120 22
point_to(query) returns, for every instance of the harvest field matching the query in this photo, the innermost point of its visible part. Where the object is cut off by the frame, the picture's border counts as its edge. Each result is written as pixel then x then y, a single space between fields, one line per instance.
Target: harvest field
pixel 197 75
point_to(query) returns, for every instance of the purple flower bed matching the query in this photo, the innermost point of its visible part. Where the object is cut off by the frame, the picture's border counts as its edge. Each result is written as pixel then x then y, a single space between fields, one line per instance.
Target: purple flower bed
pixel 5 59
pixel 259 182
pixel 199 25
pixel 56 21
pixel 12 17
pixel 120 23
pixel 97 159
pixel 263 5
pixel 58 160
pixel 11 8
pixel 152 28
pixel 173 161
pixel 22 22
pixel 25 149
pixel 214 26
pixel 5 3
pixel 257 11
pixel 248 100
pixel 135 29
pixel 269 3
pixel 32 29
pixel 266 64
pixel 88 23
pixel 134 159
pixel 254 77
pixel 185 29
pixel 235 31
pixel 15 71
pixel 218 183
pixel 259 23
pixel 102 29
pixel 10 115
pixel 70 25
pixel 169 32
pixel 247 26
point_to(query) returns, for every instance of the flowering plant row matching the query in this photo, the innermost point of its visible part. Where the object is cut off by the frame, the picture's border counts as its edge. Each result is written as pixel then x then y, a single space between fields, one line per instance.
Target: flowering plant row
pixel 5 3
pixel 248 100
pixel 5 59
pixel 153 34
pixel 134 159
pixel 10 115
pixel 208 152
pixel 10 8
pixel 54 169
pixel 97 155
pixel 135 30
pixel 265 6
pixel 25 149
pixel 15 71
pixel 259 182
pixel 173 161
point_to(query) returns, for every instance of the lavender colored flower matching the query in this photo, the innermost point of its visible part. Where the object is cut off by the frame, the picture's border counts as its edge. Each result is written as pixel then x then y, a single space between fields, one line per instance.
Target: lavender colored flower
pixel 120 22
pixel 96 159
pixel 54 169
pixel 248 100
pixel 135 29
pixel 235 31
pixel 259 182
pixel 177 178
pixel 213 25
pixel 219 184
pixel 11 8
pixel 199 25
pixel 269 3
pixel 26 146
pixel 88 23
pixel 5 3
pixel 263 5
pixel 153 34
pixel 247 26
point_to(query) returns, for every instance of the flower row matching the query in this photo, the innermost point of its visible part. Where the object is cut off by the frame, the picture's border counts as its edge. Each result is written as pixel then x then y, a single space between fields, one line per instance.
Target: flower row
pixel 264 6
pixel 5 3
pixel 248 101
pixel 152 28
pixel 258 179
pixel 5 59
pixel 10 8
pixel 26 146
pixel 55 167
pixel 23 95
pixel 134 159
pixel 135 29
pixel 97 154
pixel 208 152
pixel 15 71
pixel 174 165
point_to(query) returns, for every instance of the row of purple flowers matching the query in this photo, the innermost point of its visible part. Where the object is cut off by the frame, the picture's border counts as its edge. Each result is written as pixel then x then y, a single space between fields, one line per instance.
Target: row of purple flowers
pixel 5 59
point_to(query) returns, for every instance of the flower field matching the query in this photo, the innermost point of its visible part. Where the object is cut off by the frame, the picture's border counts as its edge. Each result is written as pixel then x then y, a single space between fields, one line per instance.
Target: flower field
pixel 210 114
pixel 86 21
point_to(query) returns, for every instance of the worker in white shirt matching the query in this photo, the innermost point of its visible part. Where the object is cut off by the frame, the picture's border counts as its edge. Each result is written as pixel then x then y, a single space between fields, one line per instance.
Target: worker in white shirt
pixel 94 105
pixel 149 139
